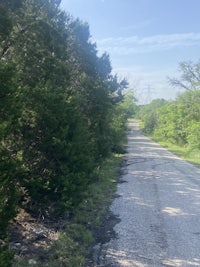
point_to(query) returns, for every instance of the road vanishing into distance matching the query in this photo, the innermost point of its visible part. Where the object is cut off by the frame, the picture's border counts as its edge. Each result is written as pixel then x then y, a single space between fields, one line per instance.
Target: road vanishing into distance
pixel 158 204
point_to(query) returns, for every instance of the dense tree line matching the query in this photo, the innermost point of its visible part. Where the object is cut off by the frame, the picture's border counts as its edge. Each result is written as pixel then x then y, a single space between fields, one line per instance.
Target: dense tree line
pixel 149 115
pixel 62 111
pixel 177 121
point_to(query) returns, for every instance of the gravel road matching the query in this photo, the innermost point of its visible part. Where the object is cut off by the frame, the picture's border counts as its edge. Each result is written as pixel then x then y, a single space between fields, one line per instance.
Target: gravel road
pixel 158 205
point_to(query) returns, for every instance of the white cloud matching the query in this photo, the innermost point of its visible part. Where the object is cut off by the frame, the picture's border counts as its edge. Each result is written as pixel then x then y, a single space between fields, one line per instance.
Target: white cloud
pixel 149 83
pixel 136 44
pixel 153 74
pixel 133 27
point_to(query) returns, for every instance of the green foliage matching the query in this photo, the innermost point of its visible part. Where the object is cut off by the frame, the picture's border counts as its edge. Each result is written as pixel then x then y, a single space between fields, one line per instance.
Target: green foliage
pixel 190 76
pixel 76 240
pixel 62 111
pixel 177 123
pixel 193 136
pixel 9 162
pixel 123 110
pixel 99 194
pixel 71 248
pixel 5 256
pixel 148 114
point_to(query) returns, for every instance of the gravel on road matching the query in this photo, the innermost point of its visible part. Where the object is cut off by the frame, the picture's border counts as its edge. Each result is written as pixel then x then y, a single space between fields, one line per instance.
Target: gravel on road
pixel 158 207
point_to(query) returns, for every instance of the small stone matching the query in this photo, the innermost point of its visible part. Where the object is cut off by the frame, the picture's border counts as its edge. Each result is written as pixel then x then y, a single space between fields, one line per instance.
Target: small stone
pixel 32 262
pixel 39 232
pixel 17 245
pixel 23 248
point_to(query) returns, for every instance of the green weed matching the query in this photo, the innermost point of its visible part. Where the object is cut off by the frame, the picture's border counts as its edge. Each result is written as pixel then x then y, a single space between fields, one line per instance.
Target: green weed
pixel 185 152
pixel 76 240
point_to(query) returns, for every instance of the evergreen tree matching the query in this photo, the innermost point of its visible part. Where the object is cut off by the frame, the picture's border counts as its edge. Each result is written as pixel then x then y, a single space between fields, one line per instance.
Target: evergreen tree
pixel 58 103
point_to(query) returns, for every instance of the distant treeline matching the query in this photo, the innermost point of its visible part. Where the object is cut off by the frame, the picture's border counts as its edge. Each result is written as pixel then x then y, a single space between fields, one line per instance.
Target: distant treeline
pixel 62 112
pixel 175 121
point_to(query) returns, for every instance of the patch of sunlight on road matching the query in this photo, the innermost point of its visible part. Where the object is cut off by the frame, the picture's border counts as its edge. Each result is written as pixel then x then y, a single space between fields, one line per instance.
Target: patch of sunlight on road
pixel 121 257
pixel 130 263
pixel 194 190
pixel 180 263
pixel 182 192
pixel 138 201
pixel 175 211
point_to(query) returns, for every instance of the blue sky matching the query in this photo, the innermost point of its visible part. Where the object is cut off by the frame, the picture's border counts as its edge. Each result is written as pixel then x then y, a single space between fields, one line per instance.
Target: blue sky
pixel 146 39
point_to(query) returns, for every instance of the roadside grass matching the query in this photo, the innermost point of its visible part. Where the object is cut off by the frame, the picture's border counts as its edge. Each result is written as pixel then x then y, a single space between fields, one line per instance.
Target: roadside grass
pixel 187 153
pixel 74 245
pixel 77 239
pixel 192 155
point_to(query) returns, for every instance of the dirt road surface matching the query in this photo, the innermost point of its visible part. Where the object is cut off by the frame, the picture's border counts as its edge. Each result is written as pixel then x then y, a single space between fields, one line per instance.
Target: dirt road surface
pixel 158 205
